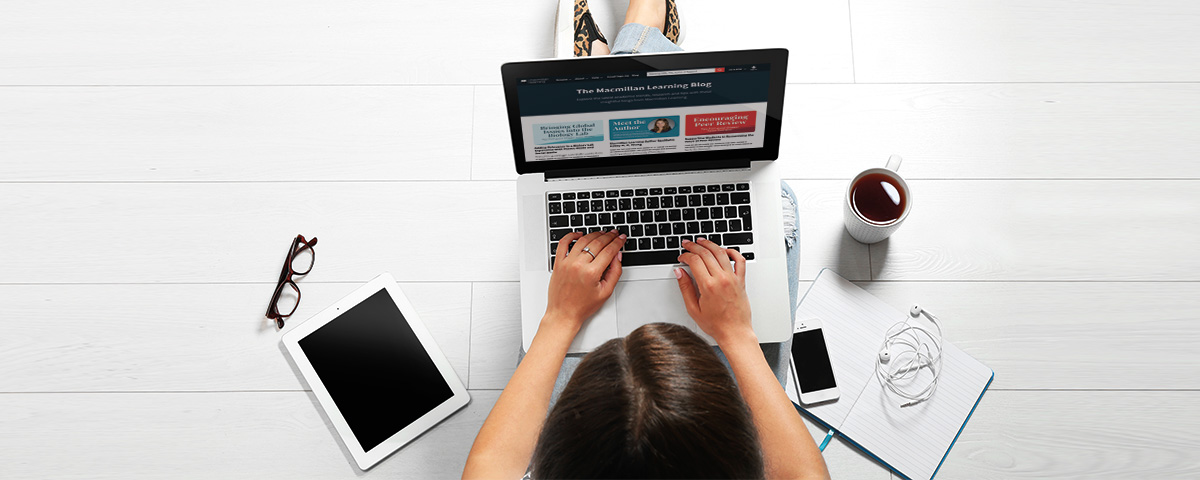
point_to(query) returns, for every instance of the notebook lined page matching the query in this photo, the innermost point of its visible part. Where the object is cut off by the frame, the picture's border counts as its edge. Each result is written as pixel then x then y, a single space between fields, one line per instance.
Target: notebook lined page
pixel 850 317
pixel 912 440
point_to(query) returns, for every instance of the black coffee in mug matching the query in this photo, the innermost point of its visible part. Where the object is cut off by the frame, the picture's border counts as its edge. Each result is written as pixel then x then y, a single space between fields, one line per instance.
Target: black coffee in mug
pixel 878 198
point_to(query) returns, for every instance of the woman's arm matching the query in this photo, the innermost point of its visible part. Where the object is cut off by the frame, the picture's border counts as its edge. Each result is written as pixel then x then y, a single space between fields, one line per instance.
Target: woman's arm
pixel 505 442
pixel 718 303
pixel 788 448
pixel 578 288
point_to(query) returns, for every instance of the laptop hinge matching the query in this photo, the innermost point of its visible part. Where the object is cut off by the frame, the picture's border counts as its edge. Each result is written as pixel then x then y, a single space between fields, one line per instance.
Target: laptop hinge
pixel 647 168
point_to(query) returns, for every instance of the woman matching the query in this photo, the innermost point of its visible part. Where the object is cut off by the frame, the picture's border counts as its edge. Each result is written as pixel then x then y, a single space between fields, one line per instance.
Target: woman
pixel 658 402
pixel 651 404
pixel 661 125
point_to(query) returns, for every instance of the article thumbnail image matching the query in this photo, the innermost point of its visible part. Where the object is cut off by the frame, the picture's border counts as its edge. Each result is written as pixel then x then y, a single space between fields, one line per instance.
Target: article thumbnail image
pixel 644 127
pixel 721 123
pixel 567 132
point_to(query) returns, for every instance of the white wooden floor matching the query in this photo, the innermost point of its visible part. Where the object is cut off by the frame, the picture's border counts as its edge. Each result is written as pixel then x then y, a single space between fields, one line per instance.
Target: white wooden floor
pixel 157 157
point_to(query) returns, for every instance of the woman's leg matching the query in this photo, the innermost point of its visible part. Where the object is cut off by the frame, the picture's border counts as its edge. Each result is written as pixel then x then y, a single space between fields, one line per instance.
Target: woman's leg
pixel 779 355
pixel 651 26
pixel 645 24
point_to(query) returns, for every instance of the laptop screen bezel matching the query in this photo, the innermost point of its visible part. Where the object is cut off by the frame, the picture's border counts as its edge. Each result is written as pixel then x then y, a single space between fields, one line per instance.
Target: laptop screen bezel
pixel 776 57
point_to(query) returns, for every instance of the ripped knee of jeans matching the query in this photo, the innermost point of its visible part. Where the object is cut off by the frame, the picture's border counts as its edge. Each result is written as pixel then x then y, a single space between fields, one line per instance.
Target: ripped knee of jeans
pixel 789 216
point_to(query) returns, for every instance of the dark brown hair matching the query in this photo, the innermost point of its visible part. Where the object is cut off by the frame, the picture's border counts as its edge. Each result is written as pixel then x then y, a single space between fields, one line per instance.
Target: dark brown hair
pixel 654 404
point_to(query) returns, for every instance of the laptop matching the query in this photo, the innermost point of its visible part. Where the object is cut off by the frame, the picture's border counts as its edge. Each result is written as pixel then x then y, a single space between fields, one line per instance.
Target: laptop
pixel 662 147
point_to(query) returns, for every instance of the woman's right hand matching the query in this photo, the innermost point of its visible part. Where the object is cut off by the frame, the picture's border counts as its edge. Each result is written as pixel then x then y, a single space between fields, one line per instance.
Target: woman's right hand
pixel 717 300
pixel 583 280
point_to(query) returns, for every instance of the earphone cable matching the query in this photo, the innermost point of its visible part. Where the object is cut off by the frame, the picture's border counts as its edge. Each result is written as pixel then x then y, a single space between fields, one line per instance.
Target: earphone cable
pixel 918 348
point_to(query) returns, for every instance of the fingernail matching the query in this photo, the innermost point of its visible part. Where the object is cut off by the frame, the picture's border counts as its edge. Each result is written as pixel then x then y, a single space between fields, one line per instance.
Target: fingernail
pixel 701 239
pixel 619 255
pixel 622 236
pixel 678 273
pixel 686 241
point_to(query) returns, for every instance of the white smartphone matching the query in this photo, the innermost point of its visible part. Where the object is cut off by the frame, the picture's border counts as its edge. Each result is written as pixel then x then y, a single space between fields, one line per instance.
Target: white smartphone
pixel 810 363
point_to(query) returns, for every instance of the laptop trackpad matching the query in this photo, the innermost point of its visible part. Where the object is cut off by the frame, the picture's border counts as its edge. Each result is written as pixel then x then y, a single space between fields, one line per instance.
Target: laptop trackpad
pixel 650 301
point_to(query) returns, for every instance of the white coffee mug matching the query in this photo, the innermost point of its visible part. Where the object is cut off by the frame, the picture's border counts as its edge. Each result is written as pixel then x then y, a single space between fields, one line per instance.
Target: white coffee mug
pixel 869 231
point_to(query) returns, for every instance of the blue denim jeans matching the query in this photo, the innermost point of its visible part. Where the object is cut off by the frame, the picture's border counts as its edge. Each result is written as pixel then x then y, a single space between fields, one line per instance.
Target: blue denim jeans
pixel 637 38
pixel 777 354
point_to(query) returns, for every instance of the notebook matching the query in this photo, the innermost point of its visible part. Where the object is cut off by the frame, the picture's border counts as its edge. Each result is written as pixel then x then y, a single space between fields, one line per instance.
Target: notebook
pixel 912 441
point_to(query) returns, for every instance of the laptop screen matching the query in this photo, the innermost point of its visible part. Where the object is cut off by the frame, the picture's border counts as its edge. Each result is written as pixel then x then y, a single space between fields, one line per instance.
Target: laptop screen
pixel 645 109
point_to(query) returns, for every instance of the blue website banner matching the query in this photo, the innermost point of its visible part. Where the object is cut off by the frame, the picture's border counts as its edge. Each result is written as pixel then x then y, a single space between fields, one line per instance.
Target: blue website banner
pixel 643 93
pixel 567 132
pixel 645 127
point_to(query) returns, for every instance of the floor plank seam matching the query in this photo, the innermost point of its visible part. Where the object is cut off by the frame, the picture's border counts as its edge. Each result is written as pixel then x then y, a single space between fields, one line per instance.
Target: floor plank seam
pixel 1147 390
pixel 870 264
pixel 320 282
pixel 513 180
pixel 149 392
pixel 470 330
pixel 162 392
pixel 1014 281
pixel 853 82
pixel 471 159
pixel 356 282
pixel 850 32
pixel 219 182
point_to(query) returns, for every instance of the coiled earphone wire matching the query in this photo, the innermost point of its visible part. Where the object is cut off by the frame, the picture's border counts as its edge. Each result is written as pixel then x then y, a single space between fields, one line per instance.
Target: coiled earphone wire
pixel 918 348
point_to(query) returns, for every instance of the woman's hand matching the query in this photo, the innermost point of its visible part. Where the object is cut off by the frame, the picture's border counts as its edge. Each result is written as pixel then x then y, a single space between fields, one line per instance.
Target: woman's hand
pixel 581 284
pixel 717 301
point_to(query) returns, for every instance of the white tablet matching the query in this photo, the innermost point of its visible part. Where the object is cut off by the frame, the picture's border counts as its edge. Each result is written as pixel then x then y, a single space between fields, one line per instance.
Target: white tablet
pixel 375 370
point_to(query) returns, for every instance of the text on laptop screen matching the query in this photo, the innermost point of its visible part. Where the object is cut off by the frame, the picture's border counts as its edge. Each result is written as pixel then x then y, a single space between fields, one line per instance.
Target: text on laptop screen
pixel 644 113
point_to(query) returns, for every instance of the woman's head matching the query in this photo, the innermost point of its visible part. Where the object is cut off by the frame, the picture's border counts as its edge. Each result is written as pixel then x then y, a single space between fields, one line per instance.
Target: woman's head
pixel 656 403
pixel 661 125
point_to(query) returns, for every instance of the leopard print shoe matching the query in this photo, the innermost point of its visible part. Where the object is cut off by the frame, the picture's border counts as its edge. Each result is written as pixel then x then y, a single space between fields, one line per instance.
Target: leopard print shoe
pixel 672 27
pixel 586 30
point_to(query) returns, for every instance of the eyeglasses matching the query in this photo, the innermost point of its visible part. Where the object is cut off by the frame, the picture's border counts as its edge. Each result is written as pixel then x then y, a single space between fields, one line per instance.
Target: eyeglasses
pixel 299 261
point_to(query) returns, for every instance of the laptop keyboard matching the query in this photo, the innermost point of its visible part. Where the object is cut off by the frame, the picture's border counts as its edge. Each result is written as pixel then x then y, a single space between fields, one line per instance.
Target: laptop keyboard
pixel 656 219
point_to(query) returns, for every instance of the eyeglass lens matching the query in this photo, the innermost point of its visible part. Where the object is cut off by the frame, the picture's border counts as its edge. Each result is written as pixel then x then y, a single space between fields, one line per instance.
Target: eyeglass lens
pixel 303 260
pixel 289 299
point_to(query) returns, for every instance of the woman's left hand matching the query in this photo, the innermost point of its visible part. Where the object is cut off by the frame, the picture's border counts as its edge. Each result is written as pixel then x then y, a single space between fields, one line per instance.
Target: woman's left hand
pixel 583 280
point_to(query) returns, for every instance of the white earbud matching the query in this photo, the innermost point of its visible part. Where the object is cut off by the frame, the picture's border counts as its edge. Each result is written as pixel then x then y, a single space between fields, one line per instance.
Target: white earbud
pixel 884 356
pixel 915 311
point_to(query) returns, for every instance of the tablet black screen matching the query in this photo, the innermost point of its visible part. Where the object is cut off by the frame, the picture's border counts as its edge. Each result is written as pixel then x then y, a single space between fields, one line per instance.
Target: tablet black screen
pixel 375 369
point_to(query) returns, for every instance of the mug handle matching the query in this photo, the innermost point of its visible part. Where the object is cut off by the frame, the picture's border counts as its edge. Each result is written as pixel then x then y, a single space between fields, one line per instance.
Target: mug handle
pixel 893 162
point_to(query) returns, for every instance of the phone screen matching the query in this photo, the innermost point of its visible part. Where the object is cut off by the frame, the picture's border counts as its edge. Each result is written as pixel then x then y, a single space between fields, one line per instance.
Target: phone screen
pixel 813 370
